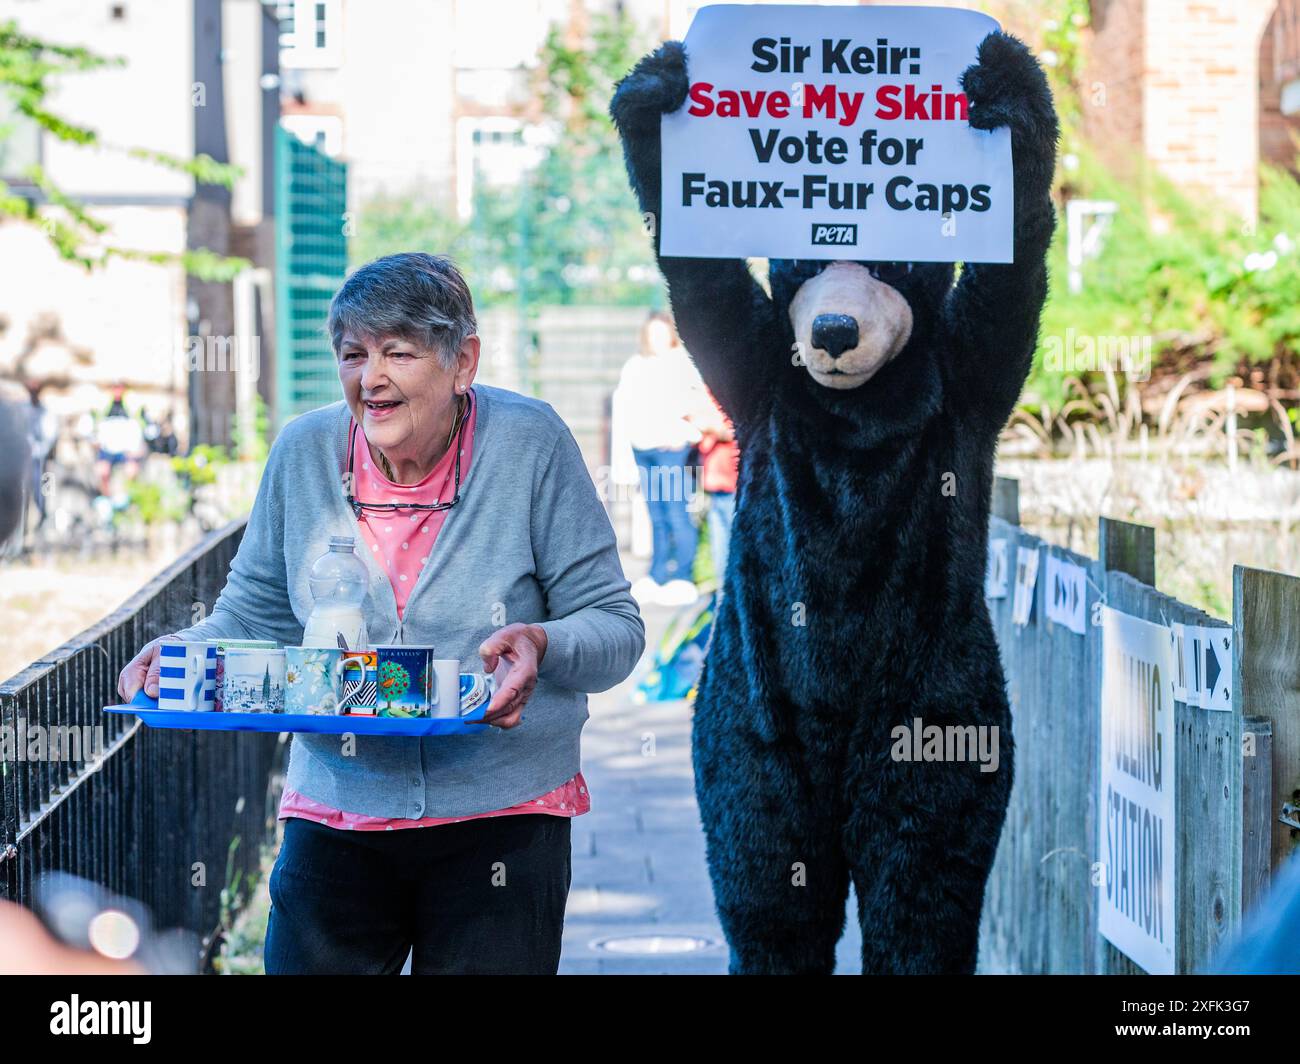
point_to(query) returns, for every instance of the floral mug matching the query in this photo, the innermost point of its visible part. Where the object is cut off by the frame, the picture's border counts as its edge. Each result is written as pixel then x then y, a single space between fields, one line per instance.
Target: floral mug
pixel 313 680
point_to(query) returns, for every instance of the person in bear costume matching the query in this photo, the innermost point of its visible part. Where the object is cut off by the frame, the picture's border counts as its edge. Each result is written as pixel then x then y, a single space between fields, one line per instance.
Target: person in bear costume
pixel 867 399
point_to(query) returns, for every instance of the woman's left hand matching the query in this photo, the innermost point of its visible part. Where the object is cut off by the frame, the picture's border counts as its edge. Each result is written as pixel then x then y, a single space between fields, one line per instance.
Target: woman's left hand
pixel 524 646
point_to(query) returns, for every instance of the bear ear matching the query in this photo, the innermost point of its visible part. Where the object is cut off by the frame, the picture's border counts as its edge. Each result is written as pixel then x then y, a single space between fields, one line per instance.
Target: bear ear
pixel 784 276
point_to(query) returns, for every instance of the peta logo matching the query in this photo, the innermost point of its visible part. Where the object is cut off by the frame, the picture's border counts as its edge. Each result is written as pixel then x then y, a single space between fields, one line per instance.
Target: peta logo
pixel 834 234
pixel 79 1017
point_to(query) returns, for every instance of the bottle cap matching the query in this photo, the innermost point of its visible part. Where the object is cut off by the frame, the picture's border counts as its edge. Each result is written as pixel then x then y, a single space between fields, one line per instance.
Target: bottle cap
pixel 342 543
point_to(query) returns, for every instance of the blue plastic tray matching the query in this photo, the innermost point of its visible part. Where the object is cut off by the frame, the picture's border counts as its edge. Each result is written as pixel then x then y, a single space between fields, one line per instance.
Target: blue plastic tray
pixel 147 710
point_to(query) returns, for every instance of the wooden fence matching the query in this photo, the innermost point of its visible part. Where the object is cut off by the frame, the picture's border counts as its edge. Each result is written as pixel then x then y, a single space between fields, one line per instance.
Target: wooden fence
pixel 1237 773
pixel 141 811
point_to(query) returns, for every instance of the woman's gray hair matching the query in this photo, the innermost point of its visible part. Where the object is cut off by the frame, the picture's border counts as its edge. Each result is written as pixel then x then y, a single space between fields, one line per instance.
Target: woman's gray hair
pixel 421 298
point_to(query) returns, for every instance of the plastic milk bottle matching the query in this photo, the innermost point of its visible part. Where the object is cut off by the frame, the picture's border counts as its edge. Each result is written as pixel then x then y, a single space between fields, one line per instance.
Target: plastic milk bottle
pixel 338 586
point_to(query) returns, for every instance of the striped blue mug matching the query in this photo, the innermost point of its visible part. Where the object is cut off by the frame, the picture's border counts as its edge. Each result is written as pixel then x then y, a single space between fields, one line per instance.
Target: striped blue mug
pixel 187 675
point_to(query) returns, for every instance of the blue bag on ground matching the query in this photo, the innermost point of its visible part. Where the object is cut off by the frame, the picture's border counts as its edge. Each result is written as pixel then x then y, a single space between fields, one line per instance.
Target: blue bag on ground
pixel 679 658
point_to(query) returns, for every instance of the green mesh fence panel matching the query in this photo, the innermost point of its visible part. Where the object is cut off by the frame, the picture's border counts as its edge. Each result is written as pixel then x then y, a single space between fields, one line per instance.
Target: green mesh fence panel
pixel 311 254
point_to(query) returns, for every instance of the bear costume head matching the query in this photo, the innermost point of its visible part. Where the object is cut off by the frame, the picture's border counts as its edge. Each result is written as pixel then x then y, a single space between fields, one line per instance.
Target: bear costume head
pixel 849 319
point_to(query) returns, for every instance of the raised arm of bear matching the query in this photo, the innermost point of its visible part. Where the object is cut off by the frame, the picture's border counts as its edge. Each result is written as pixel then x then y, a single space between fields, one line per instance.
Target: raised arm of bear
pixel 725 319
pixel 991 316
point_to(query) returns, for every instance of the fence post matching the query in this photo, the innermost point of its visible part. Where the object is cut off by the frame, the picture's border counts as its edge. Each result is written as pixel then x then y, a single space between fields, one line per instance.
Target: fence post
pixel 1266 682
pixel 1256 802
pixel 1006 500
pixel 1123 547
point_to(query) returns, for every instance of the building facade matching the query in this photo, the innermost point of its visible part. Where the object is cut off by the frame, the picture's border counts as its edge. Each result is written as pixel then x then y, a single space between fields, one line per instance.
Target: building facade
pixel 184 85
pixel 1203 89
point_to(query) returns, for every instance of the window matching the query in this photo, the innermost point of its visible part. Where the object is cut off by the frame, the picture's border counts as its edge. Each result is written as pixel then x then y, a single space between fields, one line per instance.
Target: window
pixel 310 33
pixel 493 151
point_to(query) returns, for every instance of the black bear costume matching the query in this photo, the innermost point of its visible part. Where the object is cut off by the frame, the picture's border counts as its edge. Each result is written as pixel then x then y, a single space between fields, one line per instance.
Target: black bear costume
pixel 867 399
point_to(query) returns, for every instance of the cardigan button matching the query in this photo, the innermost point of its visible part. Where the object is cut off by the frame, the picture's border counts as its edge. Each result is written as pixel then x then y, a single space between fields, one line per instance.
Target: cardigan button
pixel 416 781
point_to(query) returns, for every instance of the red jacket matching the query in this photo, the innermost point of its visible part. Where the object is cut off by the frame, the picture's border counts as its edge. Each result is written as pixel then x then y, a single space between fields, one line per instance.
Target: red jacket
pixel 718 469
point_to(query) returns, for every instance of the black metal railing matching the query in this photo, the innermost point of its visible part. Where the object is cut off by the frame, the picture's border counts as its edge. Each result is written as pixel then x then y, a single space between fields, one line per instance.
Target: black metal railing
pixel 170 818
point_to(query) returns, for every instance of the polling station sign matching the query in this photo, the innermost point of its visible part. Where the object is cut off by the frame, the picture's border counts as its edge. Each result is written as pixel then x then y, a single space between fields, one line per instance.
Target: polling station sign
pixel 1136 886
pixel 834 133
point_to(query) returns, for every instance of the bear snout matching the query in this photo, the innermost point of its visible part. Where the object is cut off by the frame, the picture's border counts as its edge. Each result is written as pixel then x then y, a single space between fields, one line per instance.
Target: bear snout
pixel 835 333
pixel 848 324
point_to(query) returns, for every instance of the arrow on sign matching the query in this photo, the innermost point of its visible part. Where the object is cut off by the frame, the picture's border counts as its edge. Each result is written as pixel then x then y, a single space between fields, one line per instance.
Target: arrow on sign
pixel 1212 668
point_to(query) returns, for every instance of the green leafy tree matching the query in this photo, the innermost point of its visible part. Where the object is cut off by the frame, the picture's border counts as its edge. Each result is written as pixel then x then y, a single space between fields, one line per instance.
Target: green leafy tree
pixel 583 233
pixel 1176 270
pixel 28 66
pixel 390 223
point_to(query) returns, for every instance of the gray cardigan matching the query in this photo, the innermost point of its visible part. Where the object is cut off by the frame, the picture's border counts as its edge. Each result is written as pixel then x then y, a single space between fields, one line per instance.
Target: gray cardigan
pixel 529 541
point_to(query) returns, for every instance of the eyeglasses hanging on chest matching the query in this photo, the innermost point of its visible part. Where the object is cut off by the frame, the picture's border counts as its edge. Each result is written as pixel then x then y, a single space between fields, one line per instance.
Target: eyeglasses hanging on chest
pixel 359 507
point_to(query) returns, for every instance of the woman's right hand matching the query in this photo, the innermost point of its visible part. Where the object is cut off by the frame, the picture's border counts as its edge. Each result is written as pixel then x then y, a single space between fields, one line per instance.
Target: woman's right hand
pixel 142 671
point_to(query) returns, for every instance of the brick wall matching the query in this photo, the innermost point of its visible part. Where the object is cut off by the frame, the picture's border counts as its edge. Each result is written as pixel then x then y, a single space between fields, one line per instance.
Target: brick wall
pixel 1112 83
pixel 1194 85
pixel 1279 63
pixel 1201 110
pixel 1285 41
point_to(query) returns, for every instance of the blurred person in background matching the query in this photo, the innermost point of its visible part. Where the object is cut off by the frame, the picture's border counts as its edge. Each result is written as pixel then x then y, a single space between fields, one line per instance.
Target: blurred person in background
pixel 120 441
pixel 659 391
pixel 42 435
pixel 162 440
pixel 719 463
pixel 15 467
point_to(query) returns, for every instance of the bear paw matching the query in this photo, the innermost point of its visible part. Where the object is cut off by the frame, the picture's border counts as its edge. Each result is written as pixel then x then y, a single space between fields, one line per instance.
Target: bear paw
pixel 656 86
pixel 1007 87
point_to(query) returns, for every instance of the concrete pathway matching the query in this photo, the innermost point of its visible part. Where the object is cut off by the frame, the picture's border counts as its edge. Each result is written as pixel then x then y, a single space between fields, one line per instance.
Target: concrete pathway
pixel 638 856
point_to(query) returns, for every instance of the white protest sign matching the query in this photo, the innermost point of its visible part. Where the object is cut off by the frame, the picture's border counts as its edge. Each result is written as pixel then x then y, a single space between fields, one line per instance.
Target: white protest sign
pixel 834 133
pixel 1066 593
pixel 995 576
pixel 1136 844
pixel 1022 604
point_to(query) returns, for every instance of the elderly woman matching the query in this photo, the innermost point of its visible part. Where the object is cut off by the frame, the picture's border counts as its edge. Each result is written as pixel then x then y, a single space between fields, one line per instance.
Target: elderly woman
pixel 484 536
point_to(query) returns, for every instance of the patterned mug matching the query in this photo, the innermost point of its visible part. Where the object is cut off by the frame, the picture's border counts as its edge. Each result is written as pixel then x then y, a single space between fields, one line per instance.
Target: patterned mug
pixel 313 680
pixel 359 684
pixel 187 675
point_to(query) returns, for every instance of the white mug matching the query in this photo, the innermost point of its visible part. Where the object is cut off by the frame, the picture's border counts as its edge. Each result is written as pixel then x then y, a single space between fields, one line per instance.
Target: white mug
pixel 444 698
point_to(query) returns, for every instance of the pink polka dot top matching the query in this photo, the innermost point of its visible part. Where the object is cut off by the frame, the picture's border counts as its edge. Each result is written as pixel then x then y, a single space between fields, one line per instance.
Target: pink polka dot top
pixel 401 545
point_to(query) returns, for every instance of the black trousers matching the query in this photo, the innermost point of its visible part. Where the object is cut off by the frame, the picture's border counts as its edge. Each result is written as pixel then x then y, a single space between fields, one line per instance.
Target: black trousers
pixel 476 898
